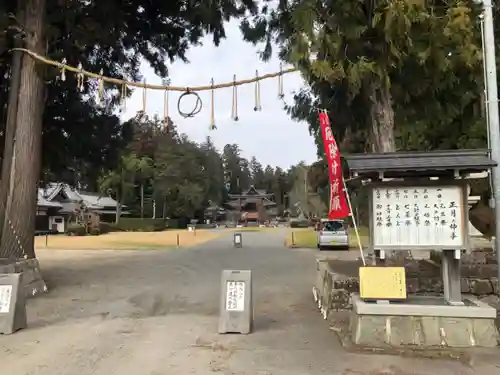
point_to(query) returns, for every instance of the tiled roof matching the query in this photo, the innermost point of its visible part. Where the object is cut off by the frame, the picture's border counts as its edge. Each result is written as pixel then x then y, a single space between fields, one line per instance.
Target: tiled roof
pixel 97 200
pixel 478 160
pixel 42 202
pixel 93 200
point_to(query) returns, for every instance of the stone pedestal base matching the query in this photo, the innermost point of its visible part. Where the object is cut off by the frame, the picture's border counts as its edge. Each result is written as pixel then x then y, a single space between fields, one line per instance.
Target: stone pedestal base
pixel 32 281
pixel 423 322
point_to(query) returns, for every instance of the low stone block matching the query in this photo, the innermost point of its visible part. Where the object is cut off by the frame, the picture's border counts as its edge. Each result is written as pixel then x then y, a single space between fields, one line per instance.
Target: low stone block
pixel 430 330
pixel 480 287
pixel 402 330
pixel 485 332
pixel 370 330
pixel 480 271
pixel 458 332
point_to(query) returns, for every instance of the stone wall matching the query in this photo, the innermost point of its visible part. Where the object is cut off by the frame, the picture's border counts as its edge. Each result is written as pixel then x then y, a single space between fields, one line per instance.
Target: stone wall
pixel 336 280
pixel 32 281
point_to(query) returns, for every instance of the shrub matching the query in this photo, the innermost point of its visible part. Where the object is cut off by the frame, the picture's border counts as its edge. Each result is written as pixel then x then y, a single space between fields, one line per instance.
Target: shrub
pixel 141 225
pixel 299 223
pixel 76 230
pixel 107 228
pixel 177 223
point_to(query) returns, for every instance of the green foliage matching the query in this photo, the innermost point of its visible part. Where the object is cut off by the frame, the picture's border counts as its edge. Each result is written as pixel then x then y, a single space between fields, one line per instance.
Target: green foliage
pixel 299 223
pixel 141 225
pixel 81 137
pixel 427 55
pixel 76 230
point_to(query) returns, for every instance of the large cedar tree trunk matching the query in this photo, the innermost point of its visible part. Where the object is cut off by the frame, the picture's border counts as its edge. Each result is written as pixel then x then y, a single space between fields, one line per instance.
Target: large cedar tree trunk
pixel 22 202
pixel 381 117
pixel 10 129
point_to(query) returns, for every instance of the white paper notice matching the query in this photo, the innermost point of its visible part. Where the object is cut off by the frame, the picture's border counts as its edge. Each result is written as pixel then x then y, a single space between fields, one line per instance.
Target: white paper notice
pixel 235 296
pixel 418 216
pixel 5 297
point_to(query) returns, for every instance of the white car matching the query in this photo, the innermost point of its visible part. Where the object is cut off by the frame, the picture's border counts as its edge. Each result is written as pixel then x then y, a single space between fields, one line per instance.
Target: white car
pixel 332 233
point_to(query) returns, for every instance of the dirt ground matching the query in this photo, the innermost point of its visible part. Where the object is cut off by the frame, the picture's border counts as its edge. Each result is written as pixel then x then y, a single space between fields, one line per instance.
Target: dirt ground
pixel 126 240
pixel 155 313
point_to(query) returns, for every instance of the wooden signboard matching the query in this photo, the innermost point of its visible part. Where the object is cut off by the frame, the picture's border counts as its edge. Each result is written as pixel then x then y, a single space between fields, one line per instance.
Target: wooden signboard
pixel 382 283
pixel 427 217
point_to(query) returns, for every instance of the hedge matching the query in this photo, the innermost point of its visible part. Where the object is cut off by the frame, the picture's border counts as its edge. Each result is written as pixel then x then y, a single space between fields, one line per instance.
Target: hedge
pixel 300 223
pixel 76 230
pixel 141 225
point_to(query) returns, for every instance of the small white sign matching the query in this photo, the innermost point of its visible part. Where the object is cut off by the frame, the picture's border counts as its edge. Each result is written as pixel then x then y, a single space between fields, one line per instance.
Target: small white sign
pixel 406 216
pixel 237 238
pixel 5 297
pixel 235 296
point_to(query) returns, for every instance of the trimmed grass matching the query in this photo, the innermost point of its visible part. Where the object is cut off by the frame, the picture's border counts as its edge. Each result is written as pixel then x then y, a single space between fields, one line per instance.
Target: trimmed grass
pixel 126 240
pixel 306 238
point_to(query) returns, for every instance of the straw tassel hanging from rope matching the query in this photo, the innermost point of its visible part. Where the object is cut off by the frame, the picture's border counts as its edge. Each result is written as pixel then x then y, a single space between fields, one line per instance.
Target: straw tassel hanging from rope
pixel 100 90
pixel 234 109
pixel 144 97
pixel 80 78
pixel 123 97
pixel 281 93
pixel 257 107
pixel 63 70
pixel 165 104
pixel 212 107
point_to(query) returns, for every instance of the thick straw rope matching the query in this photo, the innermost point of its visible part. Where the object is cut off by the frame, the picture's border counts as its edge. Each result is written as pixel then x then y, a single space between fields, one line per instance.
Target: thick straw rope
pixel 116 81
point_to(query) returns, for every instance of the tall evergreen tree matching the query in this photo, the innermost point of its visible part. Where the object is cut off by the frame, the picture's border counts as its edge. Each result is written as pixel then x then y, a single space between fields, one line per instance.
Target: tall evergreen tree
pixel 83 31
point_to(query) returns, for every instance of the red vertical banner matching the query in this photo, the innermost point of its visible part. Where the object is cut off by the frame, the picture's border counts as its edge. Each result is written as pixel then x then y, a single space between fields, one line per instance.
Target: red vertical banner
pixel 338 202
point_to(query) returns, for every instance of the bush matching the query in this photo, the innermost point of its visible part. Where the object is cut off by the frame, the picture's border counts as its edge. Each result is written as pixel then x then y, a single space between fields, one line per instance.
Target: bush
pixel 140 225
pixel 206 226
pixel 107 228
pixel 76 230
pixel 177 223
pixel 299 223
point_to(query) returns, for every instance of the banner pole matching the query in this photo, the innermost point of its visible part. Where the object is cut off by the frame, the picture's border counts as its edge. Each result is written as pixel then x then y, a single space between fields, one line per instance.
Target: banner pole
pixel 346 193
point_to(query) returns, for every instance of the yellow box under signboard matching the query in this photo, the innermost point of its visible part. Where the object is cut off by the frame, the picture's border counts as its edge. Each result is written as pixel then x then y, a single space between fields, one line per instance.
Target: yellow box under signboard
pixel 382 283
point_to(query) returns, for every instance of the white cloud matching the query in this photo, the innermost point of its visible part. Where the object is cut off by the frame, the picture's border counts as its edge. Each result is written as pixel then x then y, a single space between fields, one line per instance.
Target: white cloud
pixel 270 135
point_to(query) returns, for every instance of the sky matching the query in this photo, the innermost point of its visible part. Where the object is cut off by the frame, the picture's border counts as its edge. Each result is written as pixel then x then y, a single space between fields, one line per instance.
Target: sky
pixel 270 135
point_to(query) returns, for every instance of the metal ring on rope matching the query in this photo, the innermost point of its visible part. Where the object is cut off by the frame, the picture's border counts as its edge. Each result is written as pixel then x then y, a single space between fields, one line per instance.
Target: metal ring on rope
pixel 197 107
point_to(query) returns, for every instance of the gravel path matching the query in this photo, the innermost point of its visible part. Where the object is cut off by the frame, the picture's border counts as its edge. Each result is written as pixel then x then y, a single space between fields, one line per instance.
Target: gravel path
pixel 154 312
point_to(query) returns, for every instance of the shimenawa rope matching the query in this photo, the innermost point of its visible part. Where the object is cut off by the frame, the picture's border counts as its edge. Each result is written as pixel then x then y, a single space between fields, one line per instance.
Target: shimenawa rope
pixel 186 91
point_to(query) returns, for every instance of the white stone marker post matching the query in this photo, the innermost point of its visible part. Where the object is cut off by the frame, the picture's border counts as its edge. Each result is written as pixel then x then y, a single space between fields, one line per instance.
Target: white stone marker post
pixel 238 240
pixel 12 304
pixel 236 307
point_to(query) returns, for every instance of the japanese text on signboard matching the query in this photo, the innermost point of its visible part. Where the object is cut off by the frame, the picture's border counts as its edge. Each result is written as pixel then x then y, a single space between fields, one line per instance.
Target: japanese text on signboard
pixel 418 216
pixel 235 296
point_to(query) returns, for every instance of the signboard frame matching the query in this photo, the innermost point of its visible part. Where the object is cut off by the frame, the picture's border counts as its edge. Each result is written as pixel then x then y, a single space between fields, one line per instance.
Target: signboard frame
pixel 421 183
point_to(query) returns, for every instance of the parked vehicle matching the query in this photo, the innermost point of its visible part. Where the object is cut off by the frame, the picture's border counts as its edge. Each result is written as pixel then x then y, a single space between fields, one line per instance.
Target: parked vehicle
pixel 332 234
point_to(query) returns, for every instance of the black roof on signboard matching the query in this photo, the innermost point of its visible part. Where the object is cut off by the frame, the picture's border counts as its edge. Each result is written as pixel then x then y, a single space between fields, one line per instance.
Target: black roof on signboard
pixel 420 162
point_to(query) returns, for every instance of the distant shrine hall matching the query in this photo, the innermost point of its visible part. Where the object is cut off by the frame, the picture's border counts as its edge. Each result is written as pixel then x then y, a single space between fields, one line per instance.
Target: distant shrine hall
pixel 253 207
